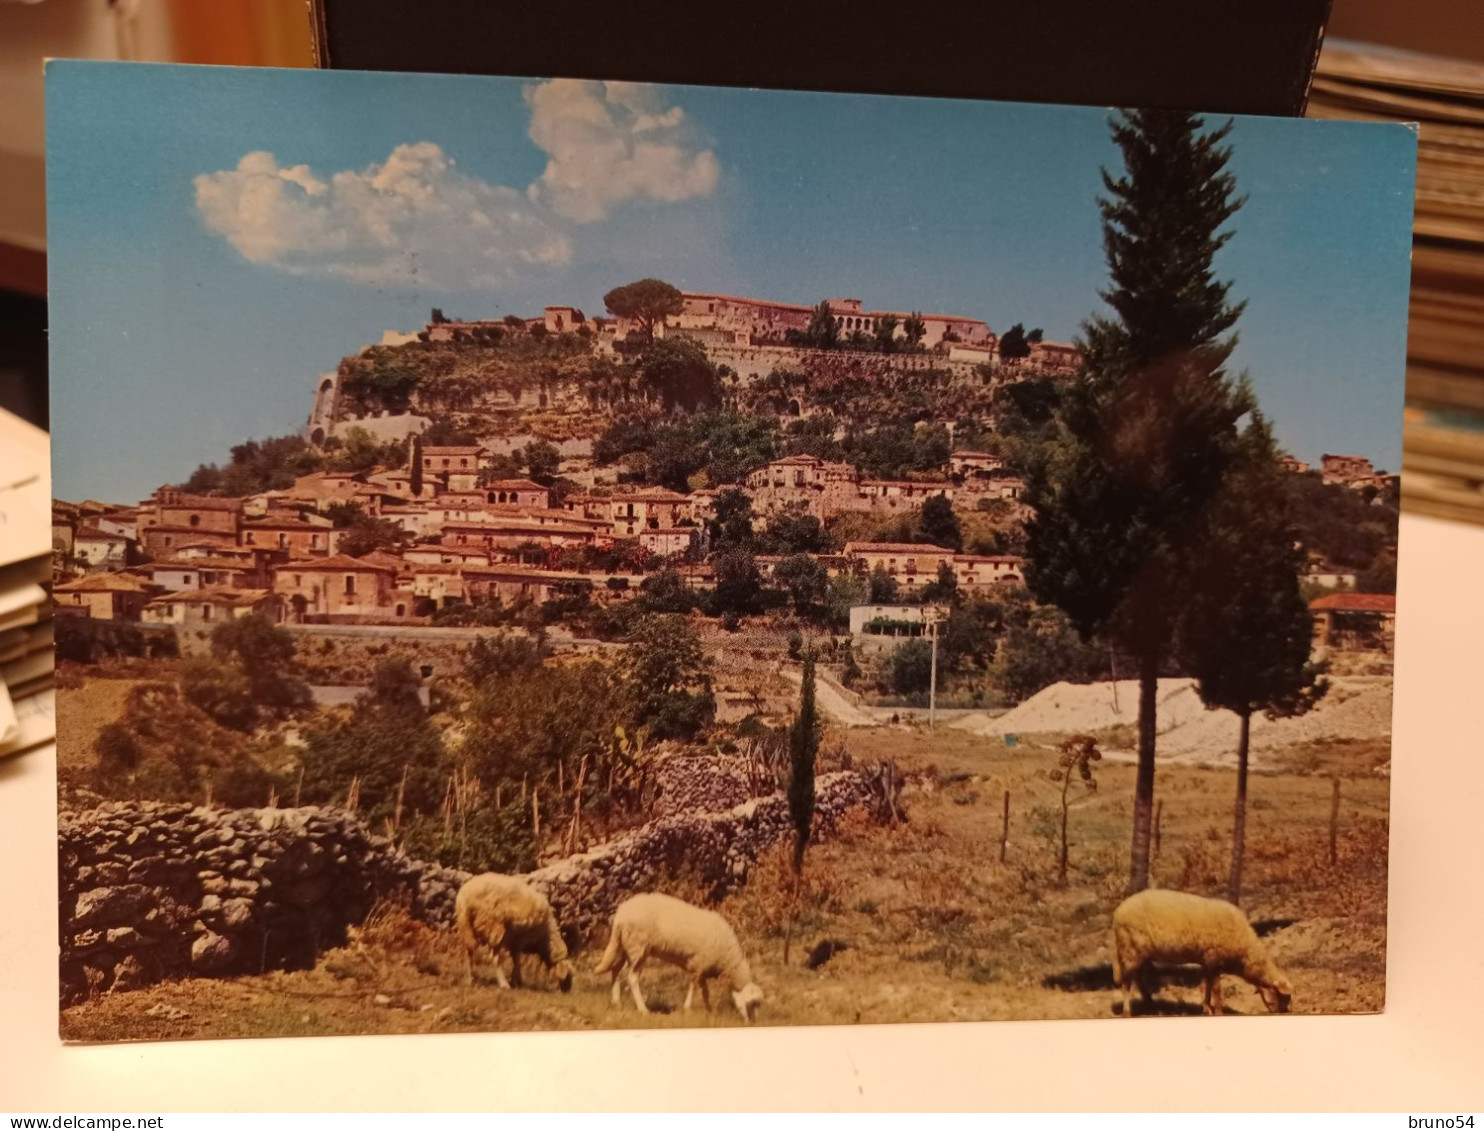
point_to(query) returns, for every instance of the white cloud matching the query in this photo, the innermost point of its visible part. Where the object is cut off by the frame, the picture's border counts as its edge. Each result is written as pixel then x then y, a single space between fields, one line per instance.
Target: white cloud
pixel 611 143
pixel 414 218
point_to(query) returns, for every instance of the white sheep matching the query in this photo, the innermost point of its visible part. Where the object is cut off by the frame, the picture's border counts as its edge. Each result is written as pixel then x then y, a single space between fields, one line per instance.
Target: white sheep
pixel 503 912
pixel 1176 927
pixel 700 942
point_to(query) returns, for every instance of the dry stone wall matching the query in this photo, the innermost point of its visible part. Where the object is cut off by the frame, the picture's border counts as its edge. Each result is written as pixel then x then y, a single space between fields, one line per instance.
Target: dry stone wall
pixel 151 890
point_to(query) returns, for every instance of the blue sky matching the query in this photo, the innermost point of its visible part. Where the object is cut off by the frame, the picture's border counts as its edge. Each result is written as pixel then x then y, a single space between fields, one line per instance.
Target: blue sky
pixel 199 285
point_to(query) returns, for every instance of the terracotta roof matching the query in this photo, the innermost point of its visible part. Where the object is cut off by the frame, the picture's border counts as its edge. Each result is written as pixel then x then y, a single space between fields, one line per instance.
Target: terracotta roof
pixel 895 548
pixel 176 528
pixel 965 454
pixel 200 563
pixel 381 558
pixel 282 524
pixel 199 503
pixel 1355 603
pixel 513 484
pixel 105 583
pixel 1001 559
pixel 93 534
pixel 453 450
pixel 221 595
pixel 796 459
pixel 649 495
pixel 519 526
pixel 338 563
pixel 525 573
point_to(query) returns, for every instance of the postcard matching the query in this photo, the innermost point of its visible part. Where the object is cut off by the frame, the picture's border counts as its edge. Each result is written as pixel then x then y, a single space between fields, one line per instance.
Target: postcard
pixel 569 554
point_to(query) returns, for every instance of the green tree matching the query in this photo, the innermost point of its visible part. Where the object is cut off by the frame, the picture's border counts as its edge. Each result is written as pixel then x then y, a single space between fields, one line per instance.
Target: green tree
pixel 823 332
pixel 794 534
pixel 846 591
pixel 807 582
pixel 257 466
pixel 388 746
pixel 1148 430
pixel 499 657
pixel 1013 346
pixel 915 329
pixel 1247 633
pixel 739 585
pixel 648 302
pixel 886 333
pixel 883 589
pixel 221 689
pixel 1016 343
pixel 1379 577
pixel 803 750
pixel 669 677
pixel 731 522
pixel 366 535
pixel 911 666
pixel 943 588
pixel 680 374
pixel 264 653
pixel 1041 649
pixel 542 460
pixel 938 524
pixel 666 592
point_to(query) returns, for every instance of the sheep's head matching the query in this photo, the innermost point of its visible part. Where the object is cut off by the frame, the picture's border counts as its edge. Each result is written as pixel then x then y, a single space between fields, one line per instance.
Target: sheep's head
pixel 1278 995
pixel 562 972
pixel 747 999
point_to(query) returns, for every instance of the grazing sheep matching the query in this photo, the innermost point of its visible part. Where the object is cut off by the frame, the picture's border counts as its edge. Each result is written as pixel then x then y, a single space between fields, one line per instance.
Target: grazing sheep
pixel 1176 927
pixel 503 912
pixel 700 942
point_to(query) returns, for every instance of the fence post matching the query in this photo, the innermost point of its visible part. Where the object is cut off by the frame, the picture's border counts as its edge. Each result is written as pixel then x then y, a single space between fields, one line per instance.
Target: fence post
pixel 1005 827
pixel 1159 809
pixel 1334 823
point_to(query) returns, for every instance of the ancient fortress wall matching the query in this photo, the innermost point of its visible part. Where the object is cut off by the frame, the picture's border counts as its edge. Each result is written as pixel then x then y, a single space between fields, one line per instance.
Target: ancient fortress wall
pixel 151 890
pixel 513 407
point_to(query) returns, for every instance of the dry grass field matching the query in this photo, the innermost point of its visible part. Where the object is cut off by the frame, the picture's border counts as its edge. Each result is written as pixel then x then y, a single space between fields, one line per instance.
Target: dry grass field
pixel 923 921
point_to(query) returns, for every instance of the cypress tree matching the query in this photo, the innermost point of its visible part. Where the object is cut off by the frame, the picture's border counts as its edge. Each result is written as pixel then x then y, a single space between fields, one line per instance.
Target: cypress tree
pixel 803 747
pixel 1149 427
pixel 415 465
pixel 1247 635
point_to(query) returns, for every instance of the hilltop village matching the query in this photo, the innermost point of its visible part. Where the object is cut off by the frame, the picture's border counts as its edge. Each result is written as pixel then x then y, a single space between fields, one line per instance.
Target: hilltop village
pixel 548 596
pixel 540 470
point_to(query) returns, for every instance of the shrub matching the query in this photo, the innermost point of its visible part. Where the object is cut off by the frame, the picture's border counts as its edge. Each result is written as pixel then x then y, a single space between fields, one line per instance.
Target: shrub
pixel 221 690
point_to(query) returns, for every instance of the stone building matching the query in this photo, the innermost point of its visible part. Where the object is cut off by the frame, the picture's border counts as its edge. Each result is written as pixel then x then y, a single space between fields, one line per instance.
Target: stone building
pixel 909 564
pixel 208 607
pixel 1355 622
pixel 104 596
pixel 1344 469
pixel 339 587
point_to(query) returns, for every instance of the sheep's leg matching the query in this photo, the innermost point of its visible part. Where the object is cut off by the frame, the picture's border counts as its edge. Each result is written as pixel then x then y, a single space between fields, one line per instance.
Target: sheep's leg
pixel 1213 993
pixel 515 968
pixel 469 949
pixel 500 979
pixel 690 995
pixel 634 989
pixel 706 994
pixel 635 965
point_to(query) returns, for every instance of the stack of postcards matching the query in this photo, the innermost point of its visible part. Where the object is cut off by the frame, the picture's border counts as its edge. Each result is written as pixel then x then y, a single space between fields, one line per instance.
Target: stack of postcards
pixel 27 716
pixel 1444 442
